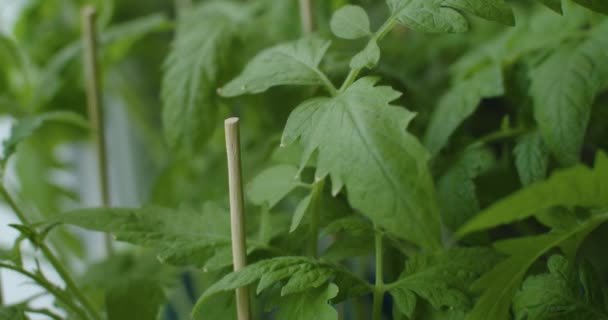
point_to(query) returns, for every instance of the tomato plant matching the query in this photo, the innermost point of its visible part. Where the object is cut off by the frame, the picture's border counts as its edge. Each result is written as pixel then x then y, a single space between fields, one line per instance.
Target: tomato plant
pixel 402 159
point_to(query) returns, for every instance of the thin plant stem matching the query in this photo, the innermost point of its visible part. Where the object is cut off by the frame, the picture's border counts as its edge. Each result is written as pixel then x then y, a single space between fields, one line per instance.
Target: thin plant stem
pixel 499 135
pixel 307 21
pixel 44 312
pixel 264 224
pixel 315 207
pixel 95 105
pixel 379 286
pixel 306 16
pixel 46 251
pixel 49 287
pixel 63 273
pixel 377 37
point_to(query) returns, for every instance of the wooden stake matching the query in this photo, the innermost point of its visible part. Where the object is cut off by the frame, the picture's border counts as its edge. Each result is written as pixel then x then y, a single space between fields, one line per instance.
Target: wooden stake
pixel 237 218
pixel 306 16
pixel 94 103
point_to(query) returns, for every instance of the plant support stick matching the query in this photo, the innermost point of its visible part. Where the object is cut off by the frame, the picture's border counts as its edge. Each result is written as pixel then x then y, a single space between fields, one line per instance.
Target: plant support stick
pixel 306 16
pixel 237 219
pixel 94 103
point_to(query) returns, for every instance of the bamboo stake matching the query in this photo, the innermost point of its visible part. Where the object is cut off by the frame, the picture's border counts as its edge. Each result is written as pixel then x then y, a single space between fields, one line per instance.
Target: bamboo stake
pixel 306 16
pixel 237 218
pixel 95 105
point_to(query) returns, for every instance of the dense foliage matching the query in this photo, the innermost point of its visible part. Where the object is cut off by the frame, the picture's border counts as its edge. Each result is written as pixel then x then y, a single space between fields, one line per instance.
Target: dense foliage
pixel 406 159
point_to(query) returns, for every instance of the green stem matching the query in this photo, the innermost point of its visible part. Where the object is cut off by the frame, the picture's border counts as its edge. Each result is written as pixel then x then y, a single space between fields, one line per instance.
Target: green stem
pixel 378 36
pixel 307 23
pixel 264 224
pixel 328 84
pixel 50 288
pixel 69 282
pixel 379 286
pixel 499 135
pixel 317 192
pixel 304 185
pixel 44 312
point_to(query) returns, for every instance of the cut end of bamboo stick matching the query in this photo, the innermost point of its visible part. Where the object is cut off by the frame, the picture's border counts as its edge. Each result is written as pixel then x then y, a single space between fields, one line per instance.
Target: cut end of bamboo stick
pixel 237 218
pixel 89 11
pixel 231 121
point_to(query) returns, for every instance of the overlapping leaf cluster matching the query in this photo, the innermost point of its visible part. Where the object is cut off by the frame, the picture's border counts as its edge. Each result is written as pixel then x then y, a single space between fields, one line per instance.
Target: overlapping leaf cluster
pixel 462 162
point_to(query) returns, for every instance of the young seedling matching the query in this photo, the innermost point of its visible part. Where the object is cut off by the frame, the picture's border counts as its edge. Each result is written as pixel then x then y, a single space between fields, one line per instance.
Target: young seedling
pixel 237 218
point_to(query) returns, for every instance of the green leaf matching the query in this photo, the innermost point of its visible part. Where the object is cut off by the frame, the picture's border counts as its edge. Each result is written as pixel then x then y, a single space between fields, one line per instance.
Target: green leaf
pixel 445 15
pixel 456 190
pixel 203 38
pixel 114 40
pixel 351 224
pixel 305 278
pixel 6 254
pixel 12 313
pixel 181 237
pixel 564 88
pixel 460 102
pixel 292 63
pixel 367 58
pixel 362 143
pixel 354 238
pixel 134 300
pixel 405 300
pixel 132 267
pixel 428 16
pixel 272 185
pixel 266 271
pixel 349 246
pixel 442 279
pixel 8 52
pixel 350 22
pixel 300 273
pixel 221 306
pixel 576 186
pixel 299 213
pixel 493 10
pixel 119 38
pixel 555 5
pixel 559 294
pixel 595 5
pixel 27 126
pixel 531 158
pixel 11 59
pixel 314 202
pixel 499 284
pixel 309 305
